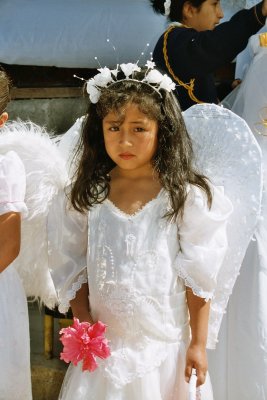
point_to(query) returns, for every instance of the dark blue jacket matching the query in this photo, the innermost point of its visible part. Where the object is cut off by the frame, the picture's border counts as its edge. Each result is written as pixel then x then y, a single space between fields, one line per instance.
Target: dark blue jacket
pixel 196 55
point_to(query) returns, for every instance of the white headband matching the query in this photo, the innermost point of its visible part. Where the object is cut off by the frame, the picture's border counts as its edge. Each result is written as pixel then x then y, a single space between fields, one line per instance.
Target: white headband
pixel 167 7
pixel 106 77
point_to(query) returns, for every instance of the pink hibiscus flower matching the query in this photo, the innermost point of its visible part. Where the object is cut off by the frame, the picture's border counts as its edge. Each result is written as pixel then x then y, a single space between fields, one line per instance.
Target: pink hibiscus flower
pixel 84 342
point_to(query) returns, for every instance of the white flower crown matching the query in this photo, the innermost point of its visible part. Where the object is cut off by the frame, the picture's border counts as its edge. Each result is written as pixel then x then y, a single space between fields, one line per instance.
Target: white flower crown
pixel 106 77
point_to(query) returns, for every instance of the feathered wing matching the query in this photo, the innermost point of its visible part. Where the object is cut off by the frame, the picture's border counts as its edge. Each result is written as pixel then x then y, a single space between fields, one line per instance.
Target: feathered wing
pixel 227 152
pixel 68 144
pixel 45 176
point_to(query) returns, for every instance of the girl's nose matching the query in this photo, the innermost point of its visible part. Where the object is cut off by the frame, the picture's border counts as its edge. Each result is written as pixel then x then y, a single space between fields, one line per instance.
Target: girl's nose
pixel 125 137
pixel 220 12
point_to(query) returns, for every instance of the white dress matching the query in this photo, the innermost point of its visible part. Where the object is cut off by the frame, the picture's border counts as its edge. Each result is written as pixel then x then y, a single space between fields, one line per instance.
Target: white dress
pixel 238 367
pixel 137 275
pixel 15 377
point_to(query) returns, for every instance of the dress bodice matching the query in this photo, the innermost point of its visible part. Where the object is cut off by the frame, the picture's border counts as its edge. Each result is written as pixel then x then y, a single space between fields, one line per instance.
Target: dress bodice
pixel 132 270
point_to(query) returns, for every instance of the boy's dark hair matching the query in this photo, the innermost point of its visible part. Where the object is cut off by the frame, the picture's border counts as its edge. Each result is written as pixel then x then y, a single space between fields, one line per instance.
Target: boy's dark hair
pixel 173 158
pixel 176 11
pixel 5 85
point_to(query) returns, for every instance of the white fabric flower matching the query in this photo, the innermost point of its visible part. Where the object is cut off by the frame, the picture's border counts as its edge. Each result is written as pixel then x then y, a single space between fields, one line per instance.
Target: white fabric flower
pixel 103 78
pixel 94 93
pixel 114 72
pixel 167 83
pixel 129 69
pixel 153 76
pixel 150 64
pixel 106 76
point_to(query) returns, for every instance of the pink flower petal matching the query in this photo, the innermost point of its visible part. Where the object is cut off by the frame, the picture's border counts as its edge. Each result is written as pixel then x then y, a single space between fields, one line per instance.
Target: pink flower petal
pixel 97 329
pixel 89 363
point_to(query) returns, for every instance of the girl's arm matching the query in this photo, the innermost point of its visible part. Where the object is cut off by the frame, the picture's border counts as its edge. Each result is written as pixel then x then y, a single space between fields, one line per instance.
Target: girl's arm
pixel 80 305
pixel 264 8
pixel 196 356
pixel 9 238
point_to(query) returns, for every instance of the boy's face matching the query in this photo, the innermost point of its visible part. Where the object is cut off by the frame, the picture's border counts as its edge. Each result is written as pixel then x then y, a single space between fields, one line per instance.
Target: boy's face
pixel 130 140
pixel 207 16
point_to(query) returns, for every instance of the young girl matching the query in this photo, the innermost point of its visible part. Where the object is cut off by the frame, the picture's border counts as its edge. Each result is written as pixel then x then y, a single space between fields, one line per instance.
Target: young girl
pixel 194 45
pixel 156 240
pixel 15 379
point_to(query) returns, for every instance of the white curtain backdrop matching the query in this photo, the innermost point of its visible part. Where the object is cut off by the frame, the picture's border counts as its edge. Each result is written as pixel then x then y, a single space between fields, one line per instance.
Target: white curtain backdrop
pixel 71 33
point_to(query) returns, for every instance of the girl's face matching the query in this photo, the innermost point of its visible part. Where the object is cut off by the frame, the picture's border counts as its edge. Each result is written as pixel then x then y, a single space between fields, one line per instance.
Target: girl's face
pixel 206 17
pixel 131 139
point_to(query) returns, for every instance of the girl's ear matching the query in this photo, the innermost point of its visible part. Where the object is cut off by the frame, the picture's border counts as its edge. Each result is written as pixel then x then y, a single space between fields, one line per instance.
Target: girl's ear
pixel 3 118
pixel 188 11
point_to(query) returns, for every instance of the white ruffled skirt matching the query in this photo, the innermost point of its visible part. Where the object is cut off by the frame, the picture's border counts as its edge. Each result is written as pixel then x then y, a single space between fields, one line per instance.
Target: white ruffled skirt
pixel 165 382
pixel 15 374
pixel 138 369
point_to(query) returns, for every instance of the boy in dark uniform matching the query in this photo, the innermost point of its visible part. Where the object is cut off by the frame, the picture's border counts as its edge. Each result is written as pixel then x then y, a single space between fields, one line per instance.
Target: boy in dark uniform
pixel 195 45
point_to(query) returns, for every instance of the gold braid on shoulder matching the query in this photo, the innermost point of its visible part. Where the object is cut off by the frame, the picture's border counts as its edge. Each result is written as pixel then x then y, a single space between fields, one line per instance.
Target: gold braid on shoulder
pixel 188 86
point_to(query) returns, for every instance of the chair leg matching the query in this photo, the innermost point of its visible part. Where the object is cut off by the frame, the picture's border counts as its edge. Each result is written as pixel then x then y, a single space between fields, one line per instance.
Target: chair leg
pixel 65 322
pixel 48 336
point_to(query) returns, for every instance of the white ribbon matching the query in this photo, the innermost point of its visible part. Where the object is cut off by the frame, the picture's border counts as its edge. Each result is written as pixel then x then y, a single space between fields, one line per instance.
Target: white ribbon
pixel 167 7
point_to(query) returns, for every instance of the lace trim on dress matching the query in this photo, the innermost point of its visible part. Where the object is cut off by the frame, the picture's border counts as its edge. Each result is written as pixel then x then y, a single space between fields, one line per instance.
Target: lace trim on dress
pixel 137 212
pixel 71 293
pixel 189 282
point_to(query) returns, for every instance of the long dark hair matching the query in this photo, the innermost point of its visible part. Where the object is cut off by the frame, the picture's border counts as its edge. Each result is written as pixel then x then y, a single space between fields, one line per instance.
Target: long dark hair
pixel 173 160
pixel 176 12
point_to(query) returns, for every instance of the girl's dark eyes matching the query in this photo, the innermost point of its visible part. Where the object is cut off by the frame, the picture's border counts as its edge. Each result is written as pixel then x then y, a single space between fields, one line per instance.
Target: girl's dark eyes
pixel 117 128
pixel 139 129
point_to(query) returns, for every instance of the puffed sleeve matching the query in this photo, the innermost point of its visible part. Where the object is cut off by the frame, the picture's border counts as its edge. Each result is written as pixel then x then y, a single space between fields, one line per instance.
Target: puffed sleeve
pixel 67 249
pixel 12 184
pixel 203 240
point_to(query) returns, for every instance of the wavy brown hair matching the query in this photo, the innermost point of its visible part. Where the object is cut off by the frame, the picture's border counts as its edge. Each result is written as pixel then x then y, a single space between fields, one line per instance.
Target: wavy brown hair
pixel 173 160
pixel 5 85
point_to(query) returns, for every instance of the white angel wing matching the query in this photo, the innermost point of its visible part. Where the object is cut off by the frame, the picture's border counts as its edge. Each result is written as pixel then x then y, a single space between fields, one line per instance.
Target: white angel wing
pixel 45 176
pixel 68 145
pixel 227 152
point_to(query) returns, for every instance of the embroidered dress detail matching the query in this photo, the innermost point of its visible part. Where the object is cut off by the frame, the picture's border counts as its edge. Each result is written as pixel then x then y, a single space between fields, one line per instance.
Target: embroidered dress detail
pixel 140 210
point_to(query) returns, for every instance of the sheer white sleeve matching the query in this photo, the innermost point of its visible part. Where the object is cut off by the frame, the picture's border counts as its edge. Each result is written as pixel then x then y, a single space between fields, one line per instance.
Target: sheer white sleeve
pixel 203 240
pixel 12 184
pixel 67 246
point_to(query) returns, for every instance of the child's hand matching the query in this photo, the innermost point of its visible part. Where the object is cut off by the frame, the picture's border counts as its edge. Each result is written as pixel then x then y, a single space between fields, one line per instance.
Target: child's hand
pixel 196 357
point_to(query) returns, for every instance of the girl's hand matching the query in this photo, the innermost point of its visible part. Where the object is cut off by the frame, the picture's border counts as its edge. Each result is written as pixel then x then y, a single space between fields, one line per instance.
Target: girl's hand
pixel 196 357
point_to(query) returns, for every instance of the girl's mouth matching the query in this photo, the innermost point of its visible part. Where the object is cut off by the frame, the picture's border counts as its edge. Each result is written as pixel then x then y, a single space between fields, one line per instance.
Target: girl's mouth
pixel 126 156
